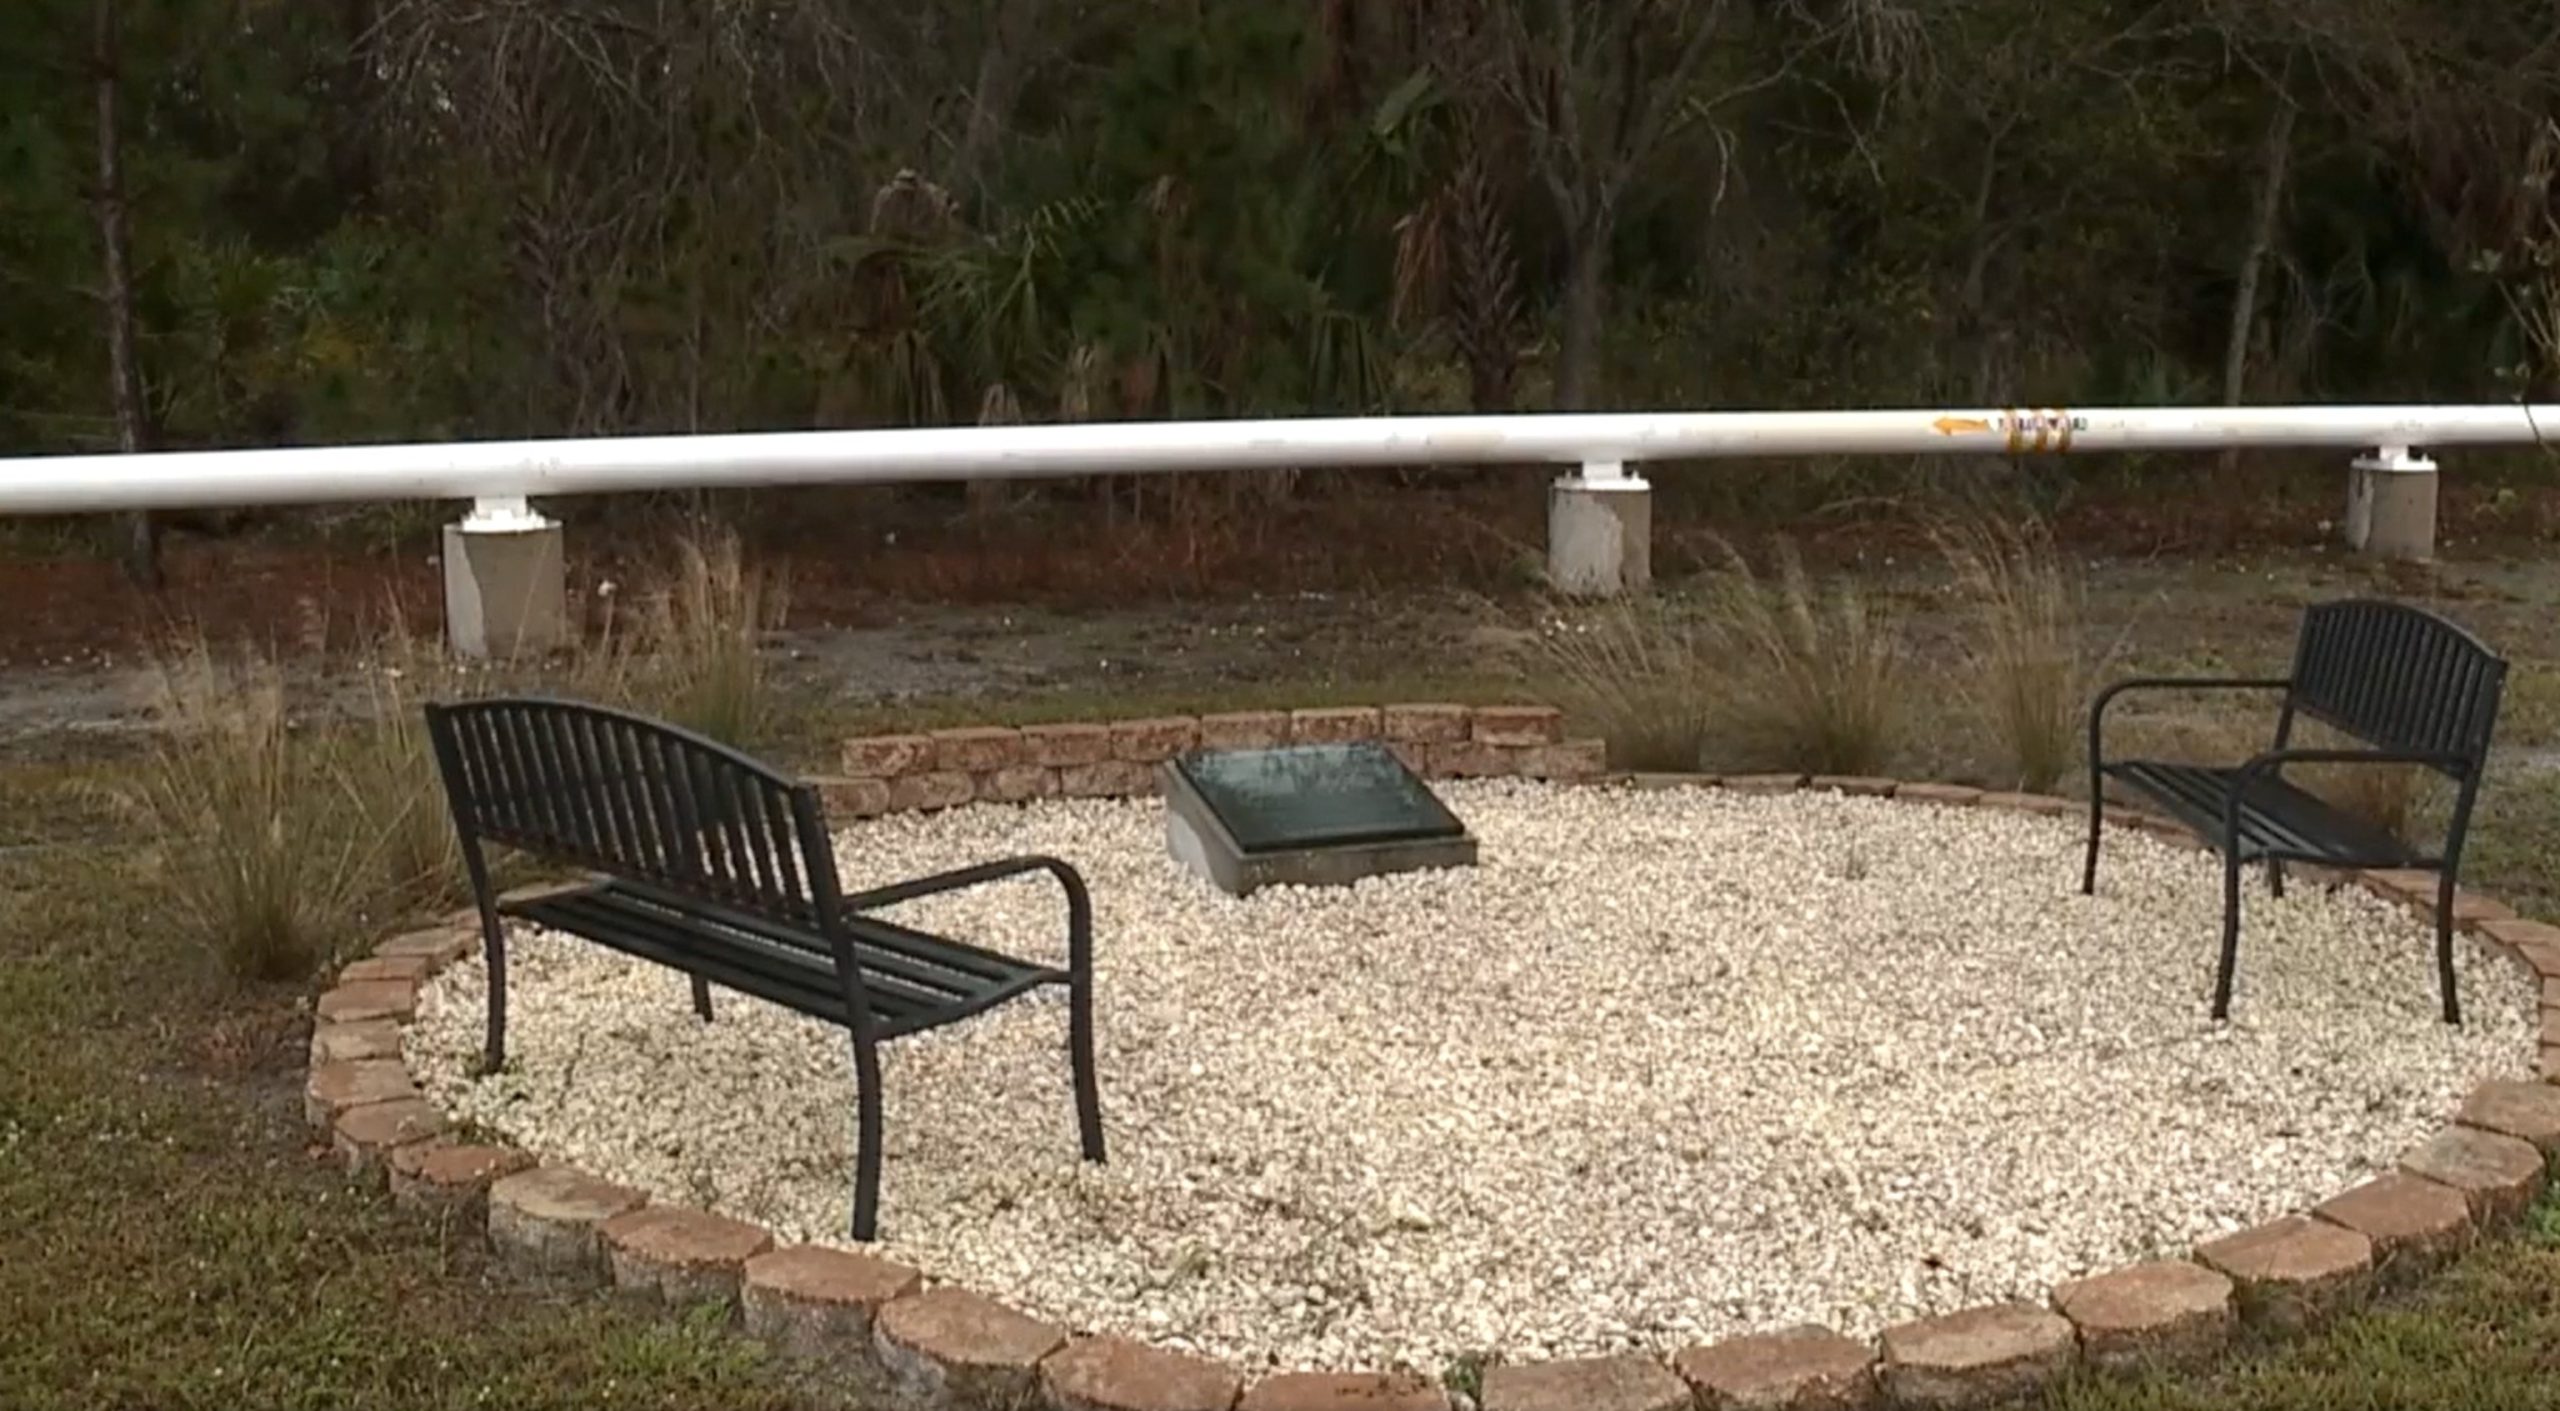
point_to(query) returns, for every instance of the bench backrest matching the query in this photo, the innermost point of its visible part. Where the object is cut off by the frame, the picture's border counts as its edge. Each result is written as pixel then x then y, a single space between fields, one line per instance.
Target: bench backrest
pixel 638 799
pixel 2400 678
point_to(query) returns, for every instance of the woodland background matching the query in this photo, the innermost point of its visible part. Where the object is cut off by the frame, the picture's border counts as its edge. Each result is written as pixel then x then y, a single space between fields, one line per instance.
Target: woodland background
pixel 228 222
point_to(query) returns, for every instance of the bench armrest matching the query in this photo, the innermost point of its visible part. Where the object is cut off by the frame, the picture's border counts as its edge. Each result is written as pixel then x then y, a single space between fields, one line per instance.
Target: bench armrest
pixel 2098 707
pixel 1079 900
pixel 2190 683
pixel 959 879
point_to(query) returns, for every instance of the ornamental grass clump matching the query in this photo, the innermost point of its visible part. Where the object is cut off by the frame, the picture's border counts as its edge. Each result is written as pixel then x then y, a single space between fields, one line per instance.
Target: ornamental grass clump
pixel 258 856
pixel 1636 673
pixel 1809 678
pixel 2027 670
pixel 696 658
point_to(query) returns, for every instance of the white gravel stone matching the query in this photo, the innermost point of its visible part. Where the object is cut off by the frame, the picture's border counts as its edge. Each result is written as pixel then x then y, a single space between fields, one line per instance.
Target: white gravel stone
pixel 1666 1066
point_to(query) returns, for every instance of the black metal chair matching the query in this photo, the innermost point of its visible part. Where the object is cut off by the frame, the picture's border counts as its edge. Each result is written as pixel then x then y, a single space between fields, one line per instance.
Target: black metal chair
pixel 2419 689
pixel 717 866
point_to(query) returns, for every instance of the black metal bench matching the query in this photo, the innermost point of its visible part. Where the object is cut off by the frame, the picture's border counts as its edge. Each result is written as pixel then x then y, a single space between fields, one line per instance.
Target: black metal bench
pixel 714 865
pixel 2419 689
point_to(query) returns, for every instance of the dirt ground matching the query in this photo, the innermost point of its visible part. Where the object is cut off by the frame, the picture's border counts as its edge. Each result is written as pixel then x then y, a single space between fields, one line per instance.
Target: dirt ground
pixel 895 604
pixel 70 670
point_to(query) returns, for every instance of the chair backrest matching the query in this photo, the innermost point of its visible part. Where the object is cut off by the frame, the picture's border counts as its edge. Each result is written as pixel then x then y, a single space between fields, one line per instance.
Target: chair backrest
pixel 635 798
pixel 2398 677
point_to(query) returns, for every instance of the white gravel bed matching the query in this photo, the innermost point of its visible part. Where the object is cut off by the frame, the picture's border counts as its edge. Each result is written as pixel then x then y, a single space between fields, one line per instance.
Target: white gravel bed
pixel 1666 1066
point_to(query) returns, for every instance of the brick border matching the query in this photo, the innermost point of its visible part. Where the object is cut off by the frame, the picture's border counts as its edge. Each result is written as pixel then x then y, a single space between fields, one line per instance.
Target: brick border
pixel 941 1346
pixel 1116 759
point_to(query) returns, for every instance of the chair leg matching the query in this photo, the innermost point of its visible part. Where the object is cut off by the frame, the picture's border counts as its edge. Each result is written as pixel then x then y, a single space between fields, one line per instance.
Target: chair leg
pixel 702 998
pixel 866 1143
pixel 2230 934
pixel 2097 823
pixel 2275 877
pixel 1080 1058
pixel 2444 949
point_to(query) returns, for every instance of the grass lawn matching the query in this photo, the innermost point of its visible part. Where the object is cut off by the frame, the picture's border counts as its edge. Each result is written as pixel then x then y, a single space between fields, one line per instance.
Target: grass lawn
pixel 168 1238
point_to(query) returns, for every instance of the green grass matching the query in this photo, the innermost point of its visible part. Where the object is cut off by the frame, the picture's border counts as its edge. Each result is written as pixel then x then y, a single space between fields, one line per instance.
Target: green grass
pixel 2514 852
pixel 167 1241
pixel 2483 1334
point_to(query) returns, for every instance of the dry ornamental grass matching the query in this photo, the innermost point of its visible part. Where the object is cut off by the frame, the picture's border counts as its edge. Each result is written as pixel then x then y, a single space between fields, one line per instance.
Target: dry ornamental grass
pixel 2028 670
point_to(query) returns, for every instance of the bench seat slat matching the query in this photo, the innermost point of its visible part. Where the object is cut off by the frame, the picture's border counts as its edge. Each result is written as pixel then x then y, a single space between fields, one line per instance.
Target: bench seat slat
pixel 880 934
pixel 2277 819
pixel 921 956
pixel 812 994
pixel 756 958
pixel 766 966
pixel 607 909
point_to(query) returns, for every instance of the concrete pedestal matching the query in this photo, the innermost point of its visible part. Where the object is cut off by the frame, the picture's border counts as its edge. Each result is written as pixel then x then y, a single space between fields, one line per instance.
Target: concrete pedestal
pixel 2391 507
pixel 1599 535
pixel 505 591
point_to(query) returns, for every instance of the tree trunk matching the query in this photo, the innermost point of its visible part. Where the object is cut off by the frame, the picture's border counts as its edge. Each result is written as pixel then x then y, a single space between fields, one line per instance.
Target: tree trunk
pixel 1484 309
pixel 1488 386
pixel 2262 238
pixel 1012 25
pixel 1585 304
pixel 353 169
pixel 1973 297
pixel 142 536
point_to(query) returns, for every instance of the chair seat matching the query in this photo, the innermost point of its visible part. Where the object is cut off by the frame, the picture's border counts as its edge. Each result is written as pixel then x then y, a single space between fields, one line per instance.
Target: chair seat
pixel 2277 819
pixel 914 980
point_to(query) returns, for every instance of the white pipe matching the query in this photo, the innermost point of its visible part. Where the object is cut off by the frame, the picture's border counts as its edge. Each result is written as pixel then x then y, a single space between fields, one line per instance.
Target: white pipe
pixel 510 469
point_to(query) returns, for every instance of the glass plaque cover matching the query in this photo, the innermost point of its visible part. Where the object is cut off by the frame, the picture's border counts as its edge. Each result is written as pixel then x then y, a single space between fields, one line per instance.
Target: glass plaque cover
pixel 1313 796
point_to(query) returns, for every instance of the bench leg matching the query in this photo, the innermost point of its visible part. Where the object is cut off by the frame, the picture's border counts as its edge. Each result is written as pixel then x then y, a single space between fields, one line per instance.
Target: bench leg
pixel 702 998
pixel 1080 1058
pixel 2275 877
pixel 2097 822
pixel 493 949
pixel 2444 947
pixel 866 1143
pixel 2230 934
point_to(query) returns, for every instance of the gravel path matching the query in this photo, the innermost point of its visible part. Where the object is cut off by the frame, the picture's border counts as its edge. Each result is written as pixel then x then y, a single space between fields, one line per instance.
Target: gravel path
pixel 1666 1066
